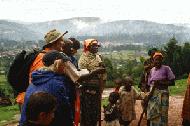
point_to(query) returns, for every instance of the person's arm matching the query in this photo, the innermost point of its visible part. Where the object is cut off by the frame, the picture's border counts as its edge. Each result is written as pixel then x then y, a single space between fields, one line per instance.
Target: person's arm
pixel 167 82
pixel 78 76
pixel 170 80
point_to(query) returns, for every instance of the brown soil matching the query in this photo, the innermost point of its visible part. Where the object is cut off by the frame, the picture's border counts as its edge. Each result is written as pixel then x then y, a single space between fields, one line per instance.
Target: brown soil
pixel 175 109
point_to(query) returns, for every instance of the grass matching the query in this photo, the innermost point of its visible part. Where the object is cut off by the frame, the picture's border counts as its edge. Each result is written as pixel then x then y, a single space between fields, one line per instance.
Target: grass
pixel 3 80
pixel 5 88
pixel 7 114
pixel 179 88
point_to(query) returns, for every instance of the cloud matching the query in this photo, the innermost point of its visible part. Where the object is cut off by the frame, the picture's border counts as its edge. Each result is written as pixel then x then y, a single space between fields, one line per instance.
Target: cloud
pixel 163 11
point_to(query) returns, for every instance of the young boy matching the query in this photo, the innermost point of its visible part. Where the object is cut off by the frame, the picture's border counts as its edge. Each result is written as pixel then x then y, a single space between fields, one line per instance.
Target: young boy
pixel 111 111
pixel 40 109
pixel 128 97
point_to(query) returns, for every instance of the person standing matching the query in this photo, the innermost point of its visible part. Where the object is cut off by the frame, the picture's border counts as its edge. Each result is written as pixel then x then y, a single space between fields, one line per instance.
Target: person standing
pixel 70 49
pixel 148 65
pixel 161 76
pixel 53 79
pixel 92 88
pixel 186 105
pixel 143 85
pixel 53 41
pixel 111 111
pixel 127 100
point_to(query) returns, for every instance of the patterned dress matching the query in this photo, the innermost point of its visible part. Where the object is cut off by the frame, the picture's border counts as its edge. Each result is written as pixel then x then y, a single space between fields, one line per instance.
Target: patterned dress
pixel 157 110
pixel 91 90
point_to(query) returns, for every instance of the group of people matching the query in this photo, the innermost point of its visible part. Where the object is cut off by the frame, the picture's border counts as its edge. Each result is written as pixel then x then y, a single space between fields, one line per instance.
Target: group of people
pixel 52 97
pixel 64 91
pixel 154 95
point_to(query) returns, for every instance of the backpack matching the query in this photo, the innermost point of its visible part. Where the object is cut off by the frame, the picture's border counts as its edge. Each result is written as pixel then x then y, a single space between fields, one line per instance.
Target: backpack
pixel 18 74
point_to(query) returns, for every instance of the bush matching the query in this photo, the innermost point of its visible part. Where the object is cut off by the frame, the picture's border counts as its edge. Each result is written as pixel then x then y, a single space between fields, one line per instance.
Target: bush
pixel 5 89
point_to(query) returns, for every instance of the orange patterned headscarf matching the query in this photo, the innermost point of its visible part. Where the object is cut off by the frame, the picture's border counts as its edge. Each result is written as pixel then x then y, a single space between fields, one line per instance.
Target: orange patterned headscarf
pixel 88 42
pixel 157 54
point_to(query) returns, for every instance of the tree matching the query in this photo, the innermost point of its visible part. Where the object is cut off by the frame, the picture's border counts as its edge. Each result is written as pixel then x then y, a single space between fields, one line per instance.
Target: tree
pixel 186 57
pixel 172 56
pixel 109 68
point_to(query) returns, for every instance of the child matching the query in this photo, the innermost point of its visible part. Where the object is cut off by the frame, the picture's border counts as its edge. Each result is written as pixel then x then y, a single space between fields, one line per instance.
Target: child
pixel 118 82
pixel 111 111
pixel 128 96
pixel 40 109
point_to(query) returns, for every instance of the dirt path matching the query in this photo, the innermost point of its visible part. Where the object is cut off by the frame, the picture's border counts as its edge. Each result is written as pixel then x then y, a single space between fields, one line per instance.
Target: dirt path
pixel 175 108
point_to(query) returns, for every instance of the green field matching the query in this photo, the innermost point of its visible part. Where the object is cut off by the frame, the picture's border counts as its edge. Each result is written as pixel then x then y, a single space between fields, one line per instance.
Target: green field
pixel 8 114
pixel 179 88
pixel 125 55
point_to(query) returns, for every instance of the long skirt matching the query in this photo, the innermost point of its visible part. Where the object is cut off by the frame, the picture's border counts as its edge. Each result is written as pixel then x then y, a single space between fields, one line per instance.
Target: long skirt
pixel 157 110
pixel 90 106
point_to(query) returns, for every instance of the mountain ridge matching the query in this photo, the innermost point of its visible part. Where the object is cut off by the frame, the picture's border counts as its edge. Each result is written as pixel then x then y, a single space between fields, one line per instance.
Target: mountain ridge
pixel 131 30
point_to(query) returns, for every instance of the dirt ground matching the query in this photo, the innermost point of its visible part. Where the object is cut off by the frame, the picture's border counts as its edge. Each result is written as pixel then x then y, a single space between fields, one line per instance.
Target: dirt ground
pixel 175 109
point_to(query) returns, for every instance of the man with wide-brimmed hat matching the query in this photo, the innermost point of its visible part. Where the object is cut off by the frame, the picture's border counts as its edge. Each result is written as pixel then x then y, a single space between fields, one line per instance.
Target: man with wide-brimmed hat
pixel 53 41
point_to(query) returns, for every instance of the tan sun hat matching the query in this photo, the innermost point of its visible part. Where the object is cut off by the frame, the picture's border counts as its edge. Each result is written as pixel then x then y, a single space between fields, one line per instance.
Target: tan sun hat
pixel 53 35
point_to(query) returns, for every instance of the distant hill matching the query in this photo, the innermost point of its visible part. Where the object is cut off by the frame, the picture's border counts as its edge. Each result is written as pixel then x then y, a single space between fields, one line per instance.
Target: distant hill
pixel 75 26
pixel 124 31
pixel 15 31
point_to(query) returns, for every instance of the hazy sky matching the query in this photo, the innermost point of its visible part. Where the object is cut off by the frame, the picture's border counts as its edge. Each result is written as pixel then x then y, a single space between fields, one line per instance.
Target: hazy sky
pixel 162 11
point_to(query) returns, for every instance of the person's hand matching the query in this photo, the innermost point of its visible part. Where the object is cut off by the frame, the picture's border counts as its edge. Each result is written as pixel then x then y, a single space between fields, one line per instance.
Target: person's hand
pixel 99 70
pixel 142 88
pixel 156 82
pixel 147 94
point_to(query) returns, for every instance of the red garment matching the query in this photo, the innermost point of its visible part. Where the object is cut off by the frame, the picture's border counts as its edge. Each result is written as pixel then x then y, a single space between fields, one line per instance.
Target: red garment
pixel 77 108
pixel 117 89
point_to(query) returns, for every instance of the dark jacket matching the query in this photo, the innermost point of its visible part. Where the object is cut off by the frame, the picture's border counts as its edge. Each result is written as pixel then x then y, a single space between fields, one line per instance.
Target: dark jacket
pixel 56 85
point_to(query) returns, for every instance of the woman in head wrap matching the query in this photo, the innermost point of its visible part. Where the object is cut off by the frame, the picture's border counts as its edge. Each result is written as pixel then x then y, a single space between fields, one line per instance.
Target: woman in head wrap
pixel 52 78
pixel 160 78
pixel 92 88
